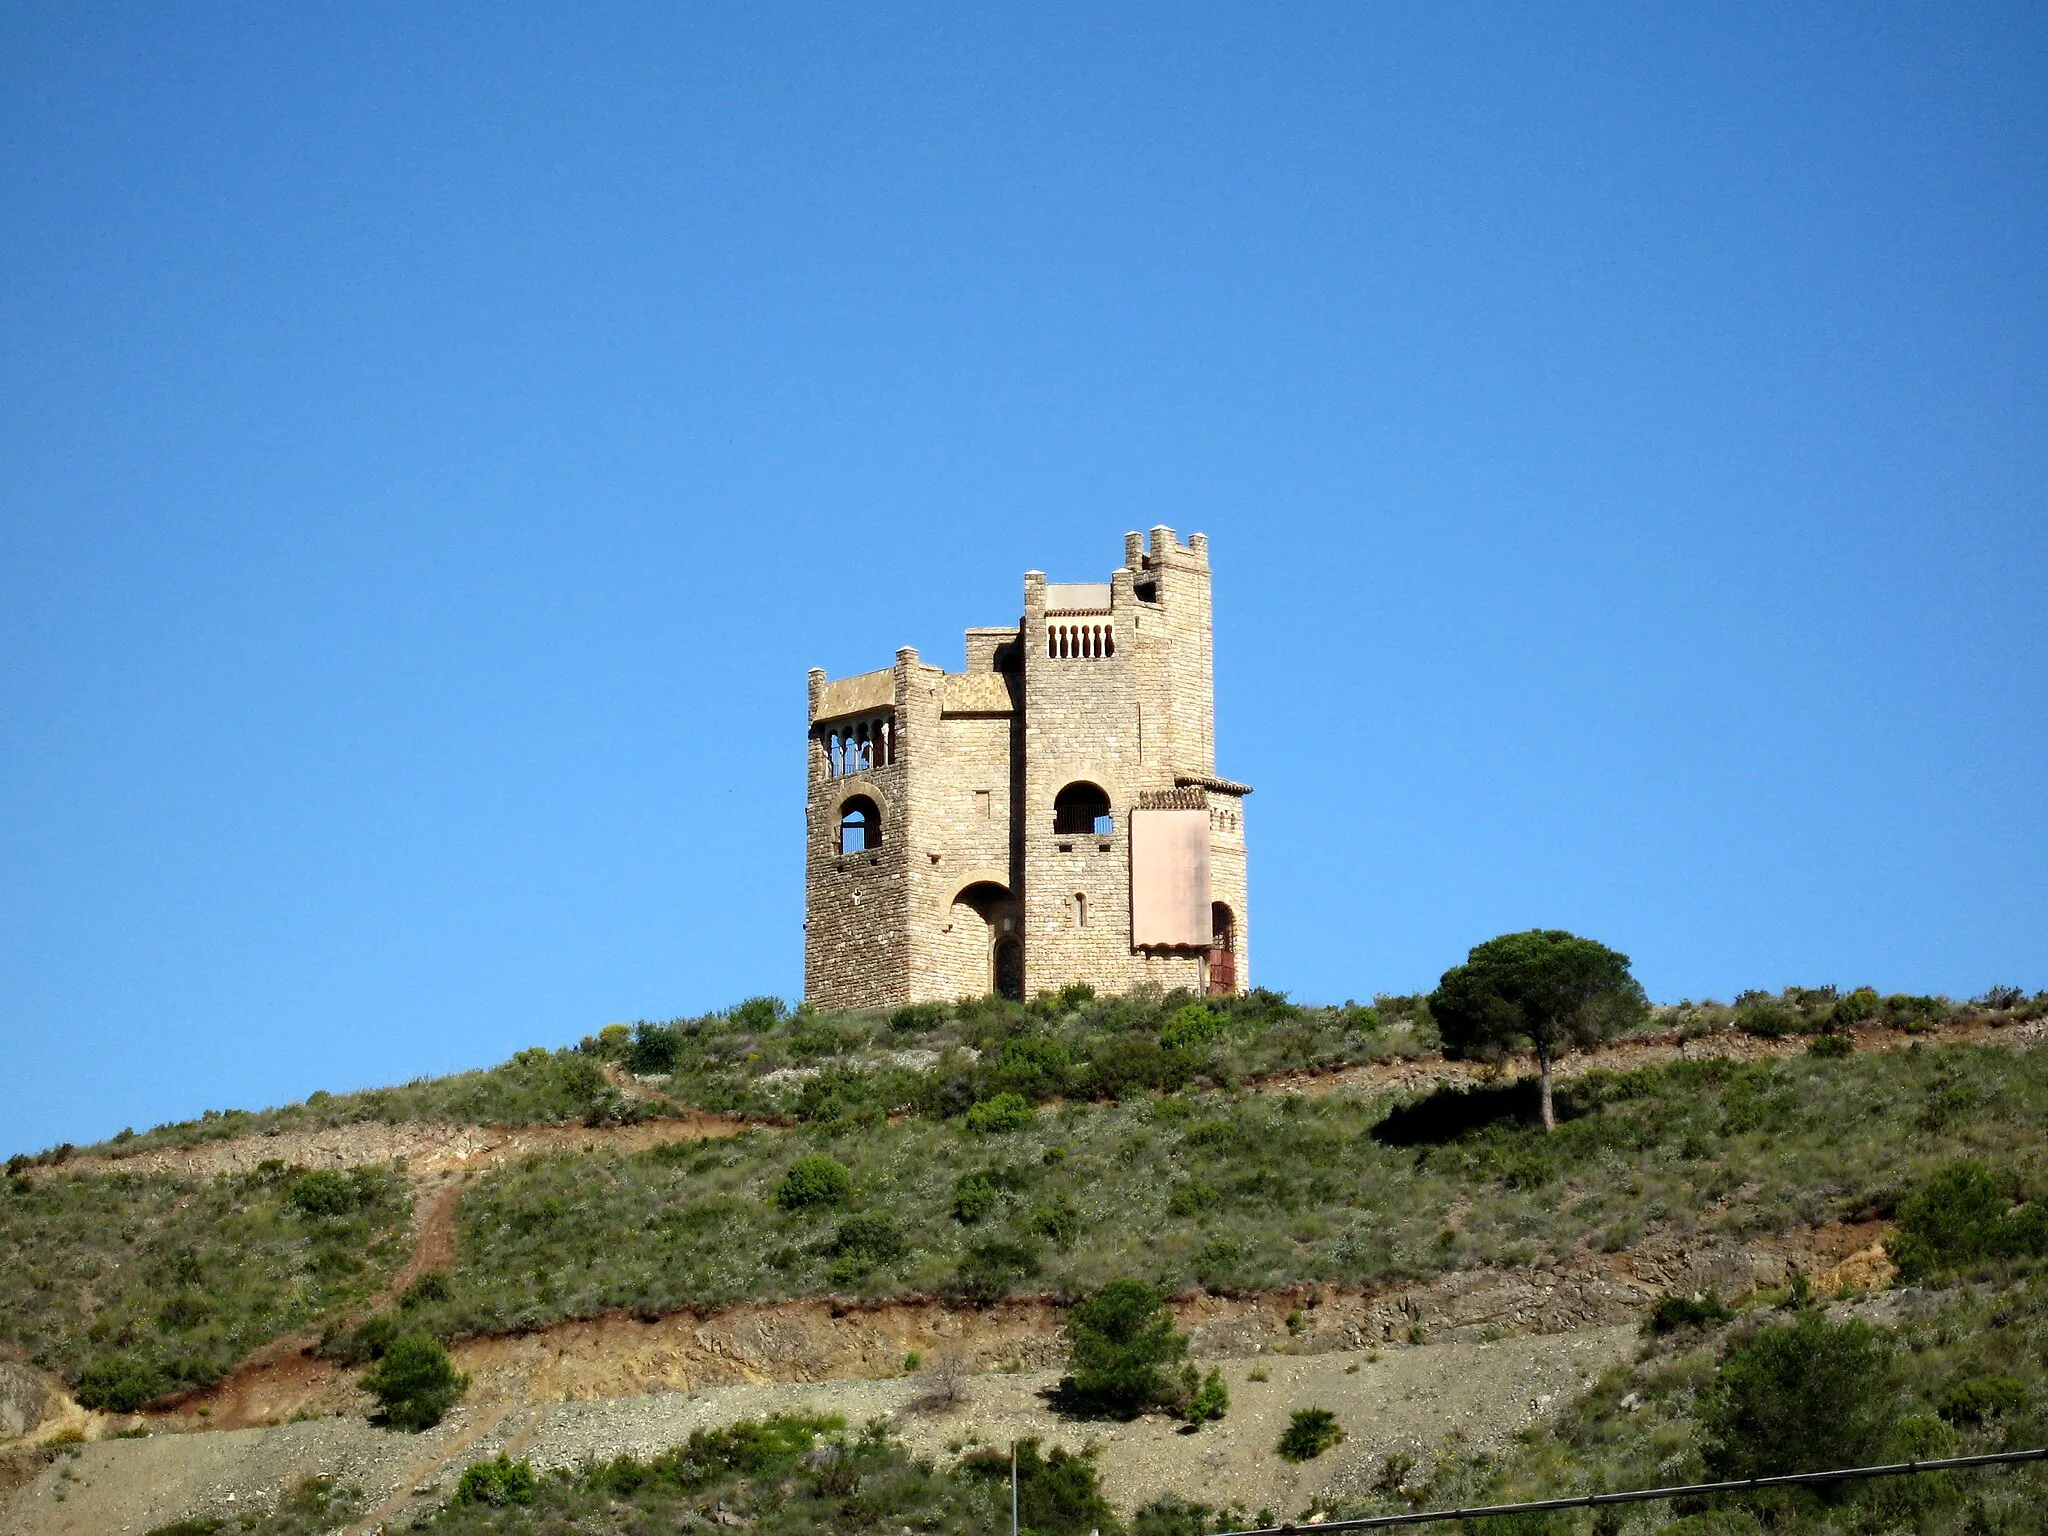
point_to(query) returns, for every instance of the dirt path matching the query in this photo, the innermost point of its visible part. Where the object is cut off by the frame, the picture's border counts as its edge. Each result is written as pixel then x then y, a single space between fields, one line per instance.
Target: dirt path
pixel 428 1149
pixel 1431 1070
pixel 432 1149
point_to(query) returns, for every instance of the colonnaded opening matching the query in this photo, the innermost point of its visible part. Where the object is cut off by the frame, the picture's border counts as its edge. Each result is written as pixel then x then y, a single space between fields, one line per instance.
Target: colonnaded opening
pixel 858 745
pixel 1079 642
pixel 860 825
pixel 1082 809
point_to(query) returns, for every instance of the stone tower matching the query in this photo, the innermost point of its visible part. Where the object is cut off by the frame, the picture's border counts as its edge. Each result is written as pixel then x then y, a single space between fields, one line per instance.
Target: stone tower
pixel 1051 815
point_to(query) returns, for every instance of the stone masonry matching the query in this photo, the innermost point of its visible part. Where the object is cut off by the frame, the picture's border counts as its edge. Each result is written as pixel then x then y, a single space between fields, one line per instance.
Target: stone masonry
pixel 971 832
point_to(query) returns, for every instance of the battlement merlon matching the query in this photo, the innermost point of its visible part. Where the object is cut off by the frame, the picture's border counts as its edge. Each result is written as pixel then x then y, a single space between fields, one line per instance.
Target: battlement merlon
pixel 1164 547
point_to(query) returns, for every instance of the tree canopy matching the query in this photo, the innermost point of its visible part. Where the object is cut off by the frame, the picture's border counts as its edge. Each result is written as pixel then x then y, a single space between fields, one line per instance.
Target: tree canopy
pixel 1120 1340
pixel 1547 990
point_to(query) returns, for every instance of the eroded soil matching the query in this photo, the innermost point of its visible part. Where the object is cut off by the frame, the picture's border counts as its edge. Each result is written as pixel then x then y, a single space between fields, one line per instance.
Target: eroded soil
pixel 1396 1399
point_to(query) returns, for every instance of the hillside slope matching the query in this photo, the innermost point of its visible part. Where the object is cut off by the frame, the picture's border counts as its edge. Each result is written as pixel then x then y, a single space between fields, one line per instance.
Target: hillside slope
pixel 1306 1181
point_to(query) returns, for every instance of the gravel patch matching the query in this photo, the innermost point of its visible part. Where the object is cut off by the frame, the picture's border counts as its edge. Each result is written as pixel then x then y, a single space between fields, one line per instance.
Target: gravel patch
pixel 1403 1399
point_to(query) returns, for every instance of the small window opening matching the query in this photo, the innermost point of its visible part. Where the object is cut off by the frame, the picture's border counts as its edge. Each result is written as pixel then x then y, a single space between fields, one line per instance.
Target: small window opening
pixel 982 801
pixel 1080 910
pixel 1082 809
pixel 860 825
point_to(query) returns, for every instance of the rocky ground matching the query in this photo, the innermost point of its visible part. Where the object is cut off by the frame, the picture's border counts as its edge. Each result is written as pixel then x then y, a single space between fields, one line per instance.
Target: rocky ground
pixel 1400 1398
pixel 1472 1355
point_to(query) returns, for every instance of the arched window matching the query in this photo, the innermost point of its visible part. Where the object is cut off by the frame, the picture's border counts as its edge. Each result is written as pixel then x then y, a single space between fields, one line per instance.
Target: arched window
pixel 1080 909
pixel 1081 809
pixel 860 825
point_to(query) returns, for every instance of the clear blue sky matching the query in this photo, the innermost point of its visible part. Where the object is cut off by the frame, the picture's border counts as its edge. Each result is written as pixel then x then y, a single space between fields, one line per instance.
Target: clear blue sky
pixel 434 442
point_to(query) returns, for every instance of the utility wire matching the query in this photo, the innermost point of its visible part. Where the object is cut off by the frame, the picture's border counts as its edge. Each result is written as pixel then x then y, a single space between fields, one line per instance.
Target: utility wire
pixel 1642 1495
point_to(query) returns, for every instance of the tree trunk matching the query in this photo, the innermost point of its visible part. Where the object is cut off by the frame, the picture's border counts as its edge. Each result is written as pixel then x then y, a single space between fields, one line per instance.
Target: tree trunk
pixel 1549 1111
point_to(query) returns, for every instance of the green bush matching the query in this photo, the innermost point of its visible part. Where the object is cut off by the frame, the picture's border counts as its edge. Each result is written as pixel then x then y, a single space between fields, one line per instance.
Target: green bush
pixel 656 1049
pixel 1676 1312
pixel 119 1385
pixel 1983 1398
pixel 918 1018
pixel 814 1181
pixel 1216 1262
pixel 1798 1397
pixel 496 1483
pixel 1119 1343
pixel 366 1341
pixel 1831 1045
pixel 1033 1067
pixel 1309 1433
pixel 751 1447
pixel 993 1268
pixel 1718 1522
pixel 1191 1028
pixel 1859 1007
pixel 323 1192
pixel 427 1289
pixel 1058 1220
pixel 868 1240
pixel 1769 1020
pixel 1057 1495
pixel 758 1014
pixel 1963 1216
pixel 975 1198
pixel 1906 1011
pixel 1124 1067
pixel 415 1382
pixel 1211 1400
pixel 1183 1517
pixel 1004 1112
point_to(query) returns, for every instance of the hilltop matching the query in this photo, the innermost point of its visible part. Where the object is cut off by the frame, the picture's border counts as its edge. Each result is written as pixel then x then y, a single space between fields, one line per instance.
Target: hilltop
pixel 904 1202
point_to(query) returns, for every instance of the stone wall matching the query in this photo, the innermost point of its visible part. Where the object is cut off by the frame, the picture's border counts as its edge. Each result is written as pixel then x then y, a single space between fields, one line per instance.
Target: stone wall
pixel 856 905
pixel 970 851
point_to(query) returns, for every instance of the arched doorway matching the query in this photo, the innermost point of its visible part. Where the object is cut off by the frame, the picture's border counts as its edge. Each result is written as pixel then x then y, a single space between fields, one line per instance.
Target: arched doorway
pixel 1222 950
pixel 985 946
pixel 1009 968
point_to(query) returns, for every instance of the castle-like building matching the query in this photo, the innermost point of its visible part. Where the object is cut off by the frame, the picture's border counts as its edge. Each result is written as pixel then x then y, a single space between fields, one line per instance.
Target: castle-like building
pixel 1049 816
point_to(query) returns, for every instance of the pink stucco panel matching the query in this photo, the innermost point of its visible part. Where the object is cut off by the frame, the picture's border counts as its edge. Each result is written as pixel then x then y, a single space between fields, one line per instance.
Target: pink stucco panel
pixel 1170 877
